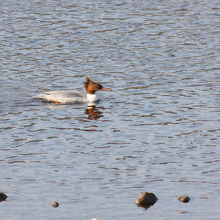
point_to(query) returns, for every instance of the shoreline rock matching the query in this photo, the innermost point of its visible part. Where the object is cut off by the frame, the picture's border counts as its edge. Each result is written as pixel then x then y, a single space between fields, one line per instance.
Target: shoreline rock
pixel 146 199
pixel 3 196
pixel 184 198
pixel 55 204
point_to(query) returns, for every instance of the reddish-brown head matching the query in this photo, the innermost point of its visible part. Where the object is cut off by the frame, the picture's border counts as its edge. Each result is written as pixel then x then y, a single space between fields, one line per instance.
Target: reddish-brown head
pixel 91 87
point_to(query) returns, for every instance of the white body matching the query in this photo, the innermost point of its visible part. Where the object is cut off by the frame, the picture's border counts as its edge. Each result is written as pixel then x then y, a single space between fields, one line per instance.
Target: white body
pixel 67 96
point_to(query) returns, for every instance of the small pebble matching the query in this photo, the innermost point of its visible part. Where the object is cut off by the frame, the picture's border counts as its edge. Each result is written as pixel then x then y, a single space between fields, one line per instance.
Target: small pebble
pixel 146 199
pixel 3 196
pixel 55 204
pixel 184 198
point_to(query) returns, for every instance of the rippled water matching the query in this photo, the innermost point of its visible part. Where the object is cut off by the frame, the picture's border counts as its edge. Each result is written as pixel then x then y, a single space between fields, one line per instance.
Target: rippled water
pixel 158 131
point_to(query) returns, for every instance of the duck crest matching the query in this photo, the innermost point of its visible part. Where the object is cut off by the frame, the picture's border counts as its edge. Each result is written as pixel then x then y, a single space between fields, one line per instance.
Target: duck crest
pixel 86 83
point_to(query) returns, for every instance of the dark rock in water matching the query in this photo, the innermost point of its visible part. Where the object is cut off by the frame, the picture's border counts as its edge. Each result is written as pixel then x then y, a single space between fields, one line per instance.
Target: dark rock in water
pixel 55 204
pixel 3 197
pixel 146 199
pixel 184 198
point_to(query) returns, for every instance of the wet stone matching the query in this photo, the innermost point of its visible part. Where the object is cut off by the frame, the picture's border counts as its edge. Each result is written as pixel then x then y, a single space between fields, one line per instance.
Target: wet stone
pixel 55 204
pixel 3 196
pixel 146 199
pixel 184 198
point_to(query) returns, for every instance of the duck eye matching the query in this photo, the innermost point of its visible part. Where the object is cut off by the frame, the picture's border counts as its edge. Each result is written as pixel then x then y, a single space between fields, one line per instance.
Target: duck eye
pixel 99 86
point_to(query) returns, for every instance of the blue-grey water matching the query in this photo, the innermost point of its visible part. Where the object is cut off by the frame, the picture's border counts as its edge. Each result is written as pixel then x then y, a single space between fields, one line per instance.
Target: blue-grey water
pixel 157 131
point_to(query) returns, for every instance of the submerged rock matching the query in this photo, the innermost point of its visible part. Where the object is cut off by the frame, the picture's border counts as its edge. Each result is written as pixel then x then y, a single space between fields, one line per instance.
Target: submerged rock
pixel 55 204
pixel 184 198
pixel 146 199
pixel 3 196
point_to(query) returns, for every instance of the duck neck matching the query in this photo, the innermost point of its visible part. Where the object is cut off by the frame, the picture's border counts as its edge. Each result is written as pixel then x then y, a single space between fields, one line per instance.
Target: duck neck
pixel 91 97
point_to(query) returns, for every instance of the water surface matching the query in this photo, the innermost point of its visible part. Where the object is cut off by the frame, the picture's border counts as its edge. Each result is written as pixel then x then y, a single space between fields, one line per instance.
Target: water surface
pixel 158 131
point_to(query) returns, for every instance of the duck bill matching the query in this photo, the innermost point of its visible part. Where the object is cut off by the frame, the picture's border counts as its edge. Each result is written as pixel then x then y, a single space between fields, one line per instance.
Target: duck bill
pixel 105 89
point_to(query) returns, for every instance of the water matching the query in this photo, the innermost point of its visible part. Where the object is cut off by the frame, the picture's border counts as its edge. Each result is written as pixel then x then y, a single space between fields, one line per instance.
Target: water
pixel 158 131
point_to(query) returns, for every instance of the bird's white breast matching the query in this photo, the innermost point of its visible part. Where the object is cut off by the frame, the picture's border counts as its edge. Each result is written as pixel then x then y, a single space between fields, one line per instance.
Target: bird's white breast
pixel 91 97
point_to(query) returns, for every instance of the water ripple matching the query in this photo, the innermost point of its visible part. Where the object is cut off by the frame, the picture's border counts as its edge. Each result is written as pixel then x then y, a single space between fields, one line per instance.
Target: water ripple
pixel 157 131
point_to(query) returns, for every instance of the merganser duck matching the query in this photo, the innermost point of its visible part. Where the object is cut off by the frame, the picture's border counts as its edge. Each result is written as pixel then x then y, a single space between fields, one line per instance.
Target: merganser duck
pixel 72 96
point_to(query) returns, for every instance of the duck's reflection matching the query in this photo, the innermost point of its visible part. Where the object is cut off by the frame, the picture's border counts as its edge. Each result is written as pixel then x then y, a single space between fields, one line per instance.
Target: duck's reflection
pixel 93 112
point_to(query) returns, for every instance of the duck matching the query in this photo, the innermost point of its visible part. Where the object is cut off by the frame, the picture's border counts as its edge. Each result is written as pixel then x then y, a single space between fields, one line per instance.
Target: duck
pixel 74 96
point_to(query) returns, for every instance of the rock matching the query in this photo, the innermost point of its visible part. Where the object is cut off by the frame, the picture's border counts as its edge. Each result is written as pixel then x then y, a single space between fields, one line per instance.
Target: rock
pixel 3 196
pixel 55 204
pixel 146 199
pixel 184 198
